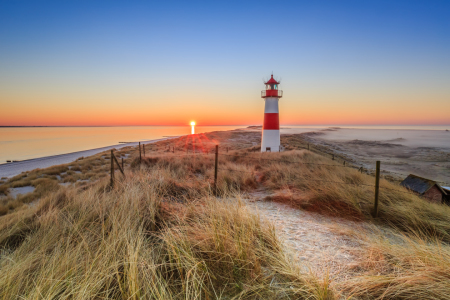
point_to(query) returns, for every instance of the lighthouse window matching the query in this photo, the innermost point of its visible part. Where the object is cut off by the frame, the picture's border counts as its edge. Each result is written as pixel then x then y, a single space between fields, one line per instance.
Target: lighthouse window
pixel 268 87
pixel 275 87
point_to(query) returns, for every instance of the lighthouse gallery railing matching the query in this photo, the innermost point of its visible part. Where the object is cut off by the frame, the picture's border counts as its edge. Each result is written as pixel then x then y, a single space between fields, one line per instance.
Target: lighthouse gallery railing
pixel 271 93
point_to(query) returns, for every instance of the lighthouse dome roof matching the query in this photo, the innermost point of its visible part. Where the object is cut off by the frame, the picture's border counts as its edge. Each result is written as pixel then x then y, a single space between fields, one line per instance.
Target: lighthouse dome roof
pixel 271 80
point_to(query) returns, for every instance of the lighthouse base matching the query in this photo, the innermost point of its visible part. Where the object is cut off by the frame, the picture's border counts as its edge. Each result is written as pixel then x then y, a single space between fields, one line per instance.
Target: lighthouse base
pixel 270 141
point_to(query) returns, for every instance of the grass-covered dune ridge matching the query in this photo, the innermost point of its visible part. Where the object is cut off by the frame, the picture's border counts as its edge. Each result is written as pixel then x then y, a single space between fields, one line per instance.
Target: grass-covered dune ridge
pixel 310 181
pixel 162 232
pixel 133 243
pixel 81 172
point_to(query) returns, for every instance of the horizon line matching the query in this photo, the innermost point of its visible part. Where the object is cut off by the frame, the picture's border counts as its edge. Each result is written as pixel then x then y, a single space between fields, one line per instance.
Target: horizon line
pixel 9 126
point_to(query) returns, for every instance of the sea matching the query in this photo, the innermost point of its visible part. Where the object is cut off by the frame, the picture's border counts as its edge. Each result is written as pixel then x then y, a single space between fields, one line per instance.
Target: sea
pixel 23 143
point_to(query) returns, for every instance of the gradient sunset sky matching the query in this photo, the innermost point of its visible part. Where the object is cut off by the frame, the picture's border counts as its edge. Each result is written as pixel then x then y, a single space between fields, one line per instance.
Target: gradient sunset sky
pixel 171 62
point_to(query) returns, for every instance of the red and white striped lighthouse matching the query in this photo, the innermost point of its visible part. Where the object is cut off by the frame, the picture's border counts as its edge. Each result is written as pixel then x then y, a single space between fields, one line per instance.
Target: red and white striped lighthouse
pixel 271 128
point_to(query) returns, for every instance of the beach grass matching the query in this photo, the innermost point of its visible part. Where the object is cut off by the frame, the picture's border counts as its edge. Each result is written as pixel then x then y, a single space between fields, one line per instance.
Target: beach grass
pixel 163 232
pixel 313 182
pixel 411 268
pixel 301 178
pixel 134 242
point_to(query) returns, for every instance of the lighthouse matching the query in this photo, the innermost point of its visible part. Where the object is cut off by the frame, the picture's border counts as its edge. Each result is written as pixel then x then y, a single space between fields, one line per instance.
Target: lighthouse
pixel 271 128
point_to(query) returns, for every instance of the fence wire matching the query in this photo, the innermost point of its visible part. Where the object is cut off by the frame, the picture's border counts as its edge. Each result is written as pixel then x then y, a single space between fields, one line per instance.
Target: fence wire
pixel 289 161
pixel 171 154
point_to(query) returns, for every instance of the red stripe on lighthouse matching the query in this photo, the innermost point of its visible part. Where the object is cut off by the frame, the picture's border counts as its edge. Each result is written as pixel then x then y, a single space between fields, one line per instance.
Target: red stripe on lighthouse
pixel 271 121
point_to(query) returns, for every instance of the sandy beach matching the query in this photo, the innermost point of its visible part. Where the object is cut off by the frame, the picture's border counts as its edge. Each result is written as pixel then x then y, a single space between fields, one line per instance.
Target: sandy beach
pixel 15 168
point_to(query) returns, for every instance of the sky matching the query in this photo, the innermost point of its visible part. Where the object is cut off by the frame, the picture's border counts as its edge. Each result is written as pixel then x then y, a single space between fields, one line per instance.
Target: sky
pixel 101 63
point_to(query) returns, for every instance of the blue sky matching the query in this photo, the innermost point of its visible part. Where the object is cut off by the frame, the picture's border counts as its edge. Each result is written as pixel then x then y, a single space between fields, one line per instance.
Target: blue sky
pixel 327 53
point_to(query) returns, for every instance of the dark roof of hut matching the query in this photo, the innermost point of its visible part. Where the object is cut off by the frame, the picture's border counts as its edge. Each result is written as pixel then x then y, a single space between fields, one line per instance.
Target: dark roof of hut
pixel 419 184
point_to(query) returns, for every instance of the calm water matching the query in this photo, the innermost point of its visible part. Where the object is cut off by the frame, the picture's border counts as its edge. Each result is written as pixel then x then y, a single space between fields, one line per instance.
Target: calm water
pixel 20 143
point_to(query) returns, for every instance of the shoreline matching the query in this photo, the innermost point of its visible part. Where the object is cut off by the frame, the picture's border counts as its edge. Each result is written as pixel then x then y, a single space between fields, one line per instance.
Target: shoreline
pixel 12 169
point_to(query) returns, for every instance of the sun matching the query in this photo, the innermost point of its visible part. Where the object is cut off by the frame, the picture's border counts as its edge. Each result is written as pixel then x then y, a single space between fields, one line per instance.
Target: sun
pixel 192 123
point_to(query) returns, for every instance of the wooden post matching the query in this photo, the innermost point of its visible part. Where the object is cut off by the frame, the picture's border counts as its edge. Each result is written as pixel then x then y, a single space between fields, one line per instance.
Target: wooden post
pixel 117 162
pixel 215 169
pixel 140 156
pixel 122 164
pixel 377 188
pixel 173 149
pixel 333 156
pixel 112 169
pixel 143 148
pixel 344 163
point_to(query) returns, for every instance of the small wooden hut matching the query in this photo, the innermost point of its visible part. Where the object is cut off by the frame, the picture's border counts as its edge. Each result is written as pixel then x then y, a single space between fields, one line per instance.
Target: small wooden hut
pixel 427 188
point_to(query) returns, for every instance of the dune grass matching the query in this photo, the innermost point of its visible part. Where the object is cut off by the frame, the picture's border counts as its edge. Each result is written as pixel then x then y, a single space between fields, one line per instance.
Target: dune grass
pixel 82 172
pixel 411 268
pixel 313 182
pixel 161 234
pixel 134 242
pixel 4 190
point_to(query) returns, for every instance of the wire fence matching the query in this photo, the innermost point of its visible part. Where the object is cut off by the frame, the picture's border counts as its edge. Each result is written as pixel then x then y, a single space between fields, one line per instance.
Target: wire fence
pixel 345 164
pixel 319 180
pixel 288 161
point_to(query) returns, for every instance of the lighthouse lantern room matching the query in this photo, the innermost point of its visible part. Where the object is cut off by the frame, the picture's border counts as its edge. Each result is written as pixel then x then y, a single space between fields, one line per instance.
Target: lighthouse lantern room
pixel 271 128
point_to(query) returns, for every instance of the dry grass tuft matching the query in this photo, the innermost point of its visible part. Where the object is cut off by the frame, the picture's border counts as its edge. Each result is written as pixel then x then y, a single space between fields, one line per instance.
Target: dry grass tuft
pixel 4 190
pixel 410 268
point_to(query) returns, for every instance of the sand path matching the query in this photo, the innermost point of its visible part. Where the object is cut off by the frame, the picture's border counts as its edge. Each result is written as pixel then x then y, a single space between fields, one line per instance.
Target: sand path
pixel 319 243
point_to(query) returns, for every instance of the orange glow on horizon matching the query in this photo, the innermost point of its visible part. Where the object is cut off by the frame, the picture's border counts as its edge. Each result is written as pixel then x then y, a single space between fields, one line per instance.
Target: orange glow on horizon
pixel 304 107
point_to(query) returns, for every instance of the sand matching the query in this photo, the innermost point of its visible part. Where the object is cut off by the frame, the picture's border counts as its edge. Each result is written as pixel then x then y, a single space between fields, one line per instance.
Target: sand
pixel 424 153
pixel 324 245
pixel 15 168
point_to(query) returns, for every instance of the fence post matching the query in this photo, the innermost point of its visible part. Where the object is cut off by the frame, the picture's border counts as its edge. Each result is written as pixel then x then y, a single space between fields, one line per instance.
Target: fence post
pixel 122 164
pixel 377 188
pixel 140 156
pixel 143 148
pixel 344 163
pixel 215 169
pixel 333 156
pixel 112 169
pixel 117 162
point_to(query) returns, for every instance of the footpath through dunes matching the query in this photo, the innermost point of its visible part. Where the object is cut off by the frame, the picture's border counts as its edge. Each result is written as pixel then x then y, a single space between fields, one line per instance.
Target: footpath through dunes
pixel 303 229
pixel 323 245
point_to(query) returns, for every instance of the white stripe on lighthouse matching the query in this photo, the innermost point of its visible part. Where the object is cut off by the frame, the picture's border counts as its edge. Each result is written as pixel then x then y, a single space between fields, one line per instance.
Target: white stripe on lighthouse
pixel 271 105
pixel 270 139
